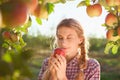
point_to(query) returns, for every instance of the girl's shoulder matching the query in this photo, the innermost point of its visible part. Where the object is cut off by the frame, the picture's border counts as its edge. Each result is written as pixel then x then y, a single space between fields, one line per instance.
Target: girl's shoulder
pixel 93 63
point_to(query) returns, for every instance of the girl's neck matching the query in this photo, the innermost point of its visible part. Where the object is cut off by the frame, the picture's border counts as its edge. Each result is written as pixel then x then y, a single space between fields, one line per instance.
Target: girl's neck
pixel 69 58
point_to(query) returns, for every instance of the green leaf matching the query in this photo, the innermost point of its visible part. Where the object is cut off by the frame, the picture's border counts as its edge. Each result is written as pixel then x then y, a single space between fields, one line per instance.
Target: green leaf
pixel 87 2
pixel 104 25
pixel 115 49
pixel 28 24
pixel 5 45
pixel 82 3
pixel 6 57
pixel 103 3
pixel 50 7
pixel 108 46
pixel 39 21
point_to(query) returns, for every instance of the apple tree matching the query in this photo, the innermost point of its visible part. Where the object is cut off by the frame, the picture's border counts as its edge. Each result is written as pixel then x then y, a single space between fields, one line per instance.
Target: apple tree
pixel 111 23
pixel 15 19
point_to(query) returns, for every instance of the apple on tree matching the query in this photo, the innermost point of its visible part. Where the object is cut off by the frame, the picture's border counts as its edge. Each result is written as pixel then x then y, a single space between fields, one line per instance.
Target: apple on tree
pixel 14 14
pixel 94 10
pixel 111 20
pixel 110 35
pixel 41 11
pixel 31 4
pixel 6 35
pixel 10 36
pixel 113 2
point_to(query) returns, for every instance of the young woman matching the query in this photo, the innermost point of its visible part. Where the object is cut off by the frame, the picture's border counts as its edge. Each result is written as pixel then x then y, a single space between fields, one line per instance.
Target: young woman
pixel 75 65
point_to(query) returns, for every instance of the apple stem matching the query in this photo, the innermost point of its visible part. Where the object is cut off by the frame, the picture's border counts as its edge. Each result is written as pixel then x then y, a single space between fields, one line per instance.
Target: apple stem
pixel 93 1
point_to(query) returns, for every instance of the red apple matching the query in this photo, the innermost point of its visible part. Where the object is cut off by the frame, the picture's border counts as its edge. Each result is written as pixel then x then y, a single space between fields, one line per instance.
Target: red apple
pixel 6 35
pixel 10 36
pixel 94 10
pixel 113 2
pixel 14 14
pixel 59 51
pixel 41 11
pixel 32 4
pixel 110 35
pixel 111 20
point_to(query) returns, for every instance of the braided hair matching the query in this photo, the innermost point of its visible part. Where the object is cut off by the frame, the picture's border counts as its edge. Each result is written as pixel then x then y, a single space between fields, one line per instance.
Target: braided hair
pixel 72 23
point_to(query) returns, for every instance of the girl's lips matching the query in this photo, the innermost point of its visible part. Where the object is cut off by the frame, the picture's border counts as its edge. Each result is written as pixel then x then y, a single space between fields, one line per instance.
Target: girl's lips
pixel 65 49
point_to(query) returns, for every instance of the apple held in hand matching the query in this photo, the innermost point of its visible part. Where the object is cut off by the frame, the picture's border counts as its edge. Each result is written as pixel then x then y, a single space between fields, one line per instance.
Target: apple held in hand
pixel 94 10
pixel 59 51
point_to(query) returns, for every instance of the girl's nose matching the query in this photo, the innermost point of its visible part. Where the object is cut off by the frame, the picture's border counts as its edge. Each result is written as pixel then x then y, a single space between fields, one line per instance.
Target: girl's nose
pixel 63 42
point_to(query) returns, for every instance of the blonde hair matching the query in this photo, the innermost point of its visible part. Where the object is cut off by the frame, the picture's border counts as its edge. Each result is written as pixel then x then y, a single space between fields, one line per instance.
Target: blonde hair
pixel 84 46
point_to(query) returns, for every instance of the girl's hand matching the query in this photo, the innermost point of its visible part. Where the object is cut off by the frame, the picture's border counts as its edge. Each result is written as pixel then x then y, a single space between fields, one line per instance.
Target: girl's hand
pixel 59 64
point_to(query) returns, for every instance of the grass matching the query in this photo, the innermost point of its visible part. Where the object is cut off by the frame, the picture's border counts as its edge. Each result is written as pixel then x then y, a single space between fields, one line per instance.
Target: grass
pixel 110 76
pixel 110 67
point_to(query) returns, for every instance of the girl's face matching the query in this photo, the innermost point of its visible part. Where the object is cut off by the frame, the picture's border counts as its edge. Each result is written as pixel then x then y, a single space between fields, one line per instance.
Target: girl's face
pixel 68 39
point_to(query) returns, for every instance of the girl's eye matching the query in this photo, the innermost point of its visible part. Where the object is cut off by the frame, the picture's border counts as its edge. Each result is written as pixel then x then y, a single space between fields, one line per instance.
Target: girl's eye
pixel 69 38
pixel 60 38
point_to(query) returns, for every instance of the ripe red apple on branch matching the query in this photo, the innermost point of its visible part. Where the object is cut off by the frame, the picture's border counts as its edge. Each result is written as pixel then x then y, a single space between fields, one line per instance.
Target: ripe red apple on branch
pixel 6 35
pixel 31 4
pixel 94 10
pixel 111 20
pixel 10 36
pixel 113 2
pixel 41 11
pixel 14 14
pixel 110 35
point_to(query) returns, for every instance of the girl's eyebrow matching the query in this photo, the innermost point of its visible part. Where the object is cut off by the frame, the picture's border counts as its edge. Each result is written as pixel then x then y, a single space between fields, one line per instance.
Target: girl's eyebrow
pixel 61 35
